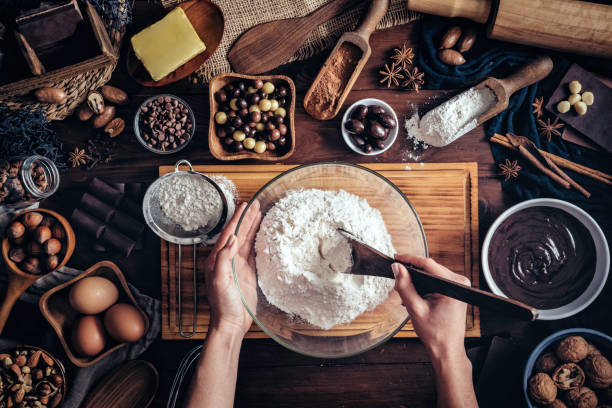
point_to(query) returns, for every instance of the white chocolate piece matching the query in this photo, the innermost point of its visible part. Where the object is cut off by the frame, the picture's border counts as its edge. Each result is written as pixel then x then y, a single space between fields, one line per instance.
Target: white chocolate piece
pixel 563 106
pixel 580 107
pixel 573 98
pixel 588 98
pixel 575 87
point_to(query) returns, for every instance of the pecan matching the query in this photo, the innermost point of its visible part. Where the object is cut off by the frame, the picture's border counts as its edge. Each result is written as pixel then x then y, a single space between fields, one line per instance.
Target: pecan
pixel 16 370
pixel 47 359
pixel 114 127
pixel 95 101
pixel 19 395
pixel 34 358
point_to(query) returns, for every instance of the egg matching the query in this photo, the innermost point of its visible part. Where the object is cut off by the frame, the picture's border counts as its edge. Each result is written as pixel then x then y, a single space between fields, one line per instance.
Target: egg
pixel 124 323
pixel 93 295
pixel 88 336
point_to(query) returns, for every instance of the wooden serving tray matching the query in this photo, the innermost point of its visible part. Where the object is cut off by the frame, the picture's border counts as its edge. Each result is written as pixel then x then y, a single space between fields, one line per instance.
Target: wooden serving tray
pixel 445 196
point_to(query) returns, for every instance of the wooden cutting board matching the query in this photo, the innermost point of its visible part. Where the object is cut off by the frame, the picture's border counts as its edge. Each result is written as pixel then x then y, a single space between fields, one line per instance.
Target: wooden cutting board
pixel 445 196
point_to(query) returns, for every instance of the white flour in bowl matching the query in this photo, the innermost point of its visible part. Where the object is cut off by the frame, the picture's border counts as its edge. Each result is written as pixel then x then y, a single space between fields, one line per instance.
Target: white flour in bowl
pixel 300 256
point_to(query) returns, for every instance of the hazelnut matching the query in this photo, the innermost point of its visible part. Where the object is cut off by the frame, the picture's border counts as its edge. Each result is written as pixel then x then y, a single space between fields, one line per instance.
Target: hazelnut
pixel 572 349
pixel 51 263
pixel 15 230
pixel 58 232
pixel 557 404
pixel 52 246
pixel 568 376
pixel 34 248
pixel 31 265
pixel 42 234
pixel 542 389
pixel 47 222
pixel 32 219
pixel 546 363
pixel 17 254
pixel 581 397
pixel 598 370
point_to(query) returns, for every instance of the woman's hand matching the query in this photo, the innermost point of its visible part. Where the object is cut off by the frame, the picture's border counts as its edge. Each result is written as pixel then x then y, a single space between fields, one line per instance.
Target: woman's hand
pixel 438 320
pixel 227 311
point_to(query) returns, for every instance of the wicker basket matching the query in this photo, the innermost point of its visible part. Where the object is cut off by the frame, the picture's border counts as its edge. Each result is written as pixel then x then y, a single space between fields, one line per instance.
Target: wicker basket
pixel 76 80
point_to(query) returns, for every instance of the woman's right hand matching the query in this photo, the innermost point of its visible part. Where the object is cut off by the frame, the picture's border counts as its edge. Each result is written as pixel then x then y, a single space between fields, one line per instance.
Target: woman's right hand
pixel 438 320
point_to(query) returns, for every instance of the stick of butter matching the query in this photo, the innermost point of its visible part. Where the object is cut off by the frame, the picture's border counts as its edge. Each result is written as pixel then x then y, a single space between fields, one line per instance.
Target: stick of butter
pixel 167 44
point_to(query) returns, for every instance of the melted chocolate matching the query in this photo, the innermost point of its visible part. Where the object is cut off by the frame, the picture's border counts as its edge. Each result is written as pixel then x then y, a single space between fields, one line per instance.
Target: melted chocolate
pixel 542 256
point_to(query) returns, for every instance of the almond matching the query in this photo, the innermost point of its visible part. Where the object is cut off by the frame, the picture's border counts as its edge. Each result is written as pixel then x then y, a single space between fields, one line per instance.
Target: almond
pixel 21 360
pixel 450 38
pixel 47 359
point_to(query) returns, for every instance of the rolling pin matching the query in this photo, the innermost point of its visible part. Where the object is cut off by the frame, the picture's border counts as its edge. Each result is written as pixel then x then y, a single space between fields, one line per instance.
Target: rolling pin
pixel 579 27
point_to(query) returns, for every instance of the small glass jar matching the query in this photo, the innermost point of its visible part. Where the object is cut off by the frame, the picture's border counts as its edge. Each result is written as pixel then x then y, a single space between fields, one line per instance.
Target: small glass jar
pixel 27 180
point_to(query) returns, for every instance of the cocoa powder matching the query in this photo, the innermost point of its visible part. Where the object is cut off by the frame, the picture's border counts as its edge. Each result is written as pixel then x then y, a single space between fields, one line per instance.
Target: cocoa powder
pixel 326 92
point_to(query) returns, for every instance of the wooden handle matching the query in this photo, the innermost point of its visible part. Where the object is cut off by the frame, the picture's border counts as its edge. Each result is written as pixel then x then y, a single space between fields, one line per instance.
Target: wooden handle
pixel 476 10
pixel 377 10
pixel 427 283
pixel 17 284
pixel 531 73
pixel 329 10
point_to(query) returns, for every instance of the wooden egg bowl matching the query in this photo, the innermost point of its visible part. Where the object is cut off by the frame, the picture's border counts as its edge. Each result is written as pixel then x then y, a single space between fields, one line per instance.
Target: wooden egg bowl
pixel 214 143
pixel 70 243
pixel 55 307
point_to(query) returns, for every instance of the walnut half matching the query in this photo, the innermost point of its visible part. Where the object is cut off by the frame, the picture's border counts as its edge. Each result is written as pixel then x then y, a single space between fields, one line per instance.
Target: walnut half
pixel 568 376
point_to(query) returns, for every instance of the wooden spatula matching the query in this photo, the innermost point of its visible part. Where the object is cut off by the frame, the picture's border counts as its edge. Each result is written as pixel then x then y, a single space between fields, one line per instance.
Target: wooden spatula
pixel 268 45
pixel 369 261
pixel 504 88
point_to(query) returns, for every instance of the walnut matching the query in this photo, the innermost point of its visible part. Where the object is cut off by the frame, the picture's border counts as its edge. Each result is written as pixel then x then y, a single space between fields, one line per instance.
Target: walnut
pixel 572 349
pixel 546 363
pixel 542 389
pixel 598 370
pixel 592 350
pixel 557 404
pixel 568 376
pixel 582 397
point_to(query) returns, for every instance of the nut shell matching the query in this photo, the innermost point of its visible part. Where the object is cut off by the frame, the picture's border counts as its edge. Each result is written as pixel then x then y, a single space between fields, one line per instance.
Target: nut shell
pixel 557 404
pixel 50 95
pixel 582 397
pixel 451 57
pixel 42 234
pixel 546 363
pixel 114 95
pixel 95 101
pixel 568 376
pixel 15 230
pixel 450 37
pixel 598 371
pixel 31 265
pixel 102 119
pixel 542 389
pixel 572 349
pixel 52 246
pixel 32 220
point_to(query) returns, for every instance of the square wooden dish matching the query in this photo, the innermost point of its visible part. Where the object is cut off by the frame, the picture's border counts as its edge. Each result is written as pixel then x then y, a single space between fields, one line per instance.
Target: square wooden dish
pixel 214 143
pixel 55 307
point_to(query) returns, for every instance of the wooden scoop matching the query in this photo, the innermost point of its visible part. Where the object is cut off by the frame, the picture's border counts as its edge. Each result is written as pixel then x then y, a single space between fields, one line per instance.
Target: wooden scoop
pixel 504 88
pixel 369 261
pixel 268 45
pixel 359 38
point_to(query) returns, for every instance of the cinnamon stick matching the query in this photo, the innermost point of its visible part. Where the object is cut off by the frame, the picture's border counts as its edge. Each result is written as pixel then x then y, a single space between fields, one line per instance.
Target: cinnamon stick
pixel 560 161
pixel 570 180
pixel 557 179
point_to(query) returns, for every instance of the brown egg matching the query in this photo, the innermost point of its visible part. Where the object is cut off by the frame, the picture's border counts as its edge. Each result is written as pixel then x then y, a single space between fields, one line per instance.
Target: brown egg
pixel 124 323
pixel 88 336
pixel 93 295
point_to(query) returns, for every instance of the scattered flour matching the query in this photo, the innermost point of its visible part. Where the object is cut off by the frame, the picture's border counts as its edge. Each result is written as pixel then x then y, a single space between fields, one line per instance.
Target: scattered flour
pixel 190 201
pixel 451 120
pixel 300 256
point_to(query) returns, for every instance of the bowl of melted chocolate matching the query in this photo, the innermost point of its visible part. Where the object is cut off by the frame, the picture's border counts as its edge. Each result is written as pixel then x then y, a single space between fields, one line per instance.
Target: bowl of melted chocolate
pixel 548 254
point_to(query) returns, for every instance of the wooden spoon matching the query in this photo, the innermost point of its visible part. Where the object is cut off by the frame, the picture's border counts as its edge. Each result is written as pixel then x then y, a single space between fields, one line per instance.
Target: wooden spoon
pixel 268 45
pixel 359 38
pixel 504 88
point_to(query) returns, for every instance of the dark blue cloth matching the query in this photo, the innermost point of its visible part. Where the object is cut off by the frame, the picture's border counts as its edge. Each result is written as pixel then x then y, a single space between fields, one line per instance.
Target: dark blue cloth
pixel 492 58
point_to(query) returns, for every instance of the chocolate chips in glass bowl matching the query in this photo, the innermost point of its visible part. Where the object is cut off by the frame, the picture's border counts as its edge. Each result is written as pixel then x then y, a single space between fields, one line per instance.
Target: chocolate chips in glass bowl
pixel 164 124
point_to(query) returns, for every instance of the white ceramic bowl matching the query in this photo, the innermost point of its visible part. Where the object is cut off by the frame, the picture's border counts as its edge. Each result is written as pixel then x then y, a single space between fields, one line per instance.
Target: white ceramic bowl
pixel 346 135
pixel 602 255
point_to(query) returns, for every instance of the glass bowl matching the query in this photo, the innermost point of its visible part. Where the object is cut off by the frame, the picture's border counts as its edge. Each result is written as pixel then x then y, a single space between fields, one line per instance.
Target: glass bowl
pixel 371 328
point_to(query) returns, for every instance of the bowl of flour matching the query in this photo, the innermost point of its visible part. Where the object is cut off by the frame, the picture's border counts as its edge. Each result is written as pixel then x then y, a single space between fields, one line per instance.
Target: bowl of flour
pixel 301 297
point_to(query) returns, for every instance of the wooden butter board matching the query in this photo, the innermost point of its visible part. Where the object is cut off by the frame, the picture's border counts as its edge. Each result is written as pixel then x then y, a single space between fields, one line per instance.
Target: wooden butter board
pixel 445 196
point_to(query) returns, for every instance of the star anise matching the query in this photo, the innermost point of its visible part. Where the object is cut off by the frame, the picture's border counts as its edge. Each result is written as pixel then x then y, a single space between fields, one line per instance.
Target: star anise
pixel 78 157
pixel 414 79
pixel 548 128
pixel 391 75
pixel 509 169
pixel 537 107
pixel 403 56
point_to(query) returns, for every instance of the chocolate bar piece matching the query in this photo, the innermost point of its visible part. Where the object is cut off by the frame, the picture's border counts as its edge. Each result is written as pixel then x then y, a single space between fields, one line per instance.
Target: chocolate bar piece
pixel 127 224
pixel 105 191
pixel 116 240
pixel 132 208
pixel 87 223
pixel 97 208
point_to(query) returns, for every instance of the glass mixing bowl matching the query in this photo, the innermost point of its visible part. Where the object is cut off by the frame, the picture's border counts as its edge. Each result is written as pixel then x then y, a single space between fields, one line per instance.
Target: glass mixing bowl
pixel 371 328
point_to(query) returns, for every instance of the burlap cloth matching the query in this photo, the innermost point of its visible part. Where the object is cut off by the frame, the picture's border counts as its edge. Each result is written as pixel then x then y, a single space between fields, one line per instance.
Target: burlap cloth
pixel 244 14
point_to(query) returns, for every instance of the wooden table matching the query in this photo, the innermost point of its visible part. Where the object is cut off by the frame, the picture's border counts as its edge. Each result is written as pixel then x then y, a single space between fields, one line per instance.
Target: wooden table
pixel 397 373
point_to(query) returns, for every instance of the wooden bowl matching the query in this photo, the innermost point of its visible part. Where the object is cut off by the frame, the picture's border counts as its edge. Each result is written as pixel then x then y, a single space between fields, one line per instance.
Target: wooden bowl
pixel 55 307
pixel 207 20
pixel 57 363
pixel 18 280
pixel 214 143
